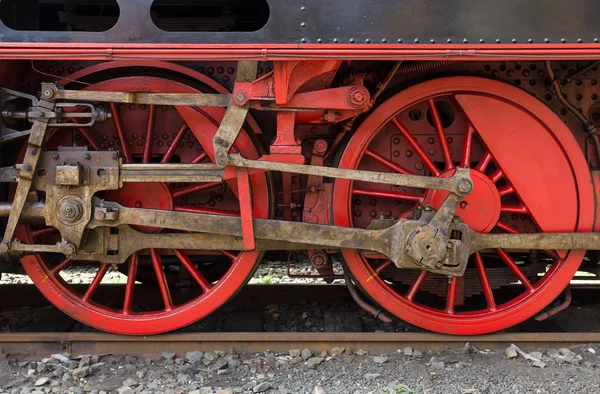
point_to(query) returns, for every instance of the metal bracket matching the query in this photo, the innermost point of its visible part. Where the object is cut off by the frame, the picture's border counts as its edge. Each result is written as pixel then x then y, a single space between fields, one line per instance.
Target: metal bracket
pixel 235 116
pixel 28 169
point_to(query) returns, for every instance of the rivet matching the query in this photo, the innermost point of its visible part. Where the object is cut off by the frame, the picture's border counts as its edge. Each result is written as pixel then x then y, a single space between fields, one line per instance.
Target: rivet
pixel 579 40
pixel 498 41
pixel 319 40
pixel 384 40
pixel 416 40
pixel 368 40
pixel 303 40
pixel 400 40
pixel 481 41
pixel 596 40
pixel 449 40
pixel 465 40
pixel 546 40
pixel 514 40
pixel 335 40
pixel 563 40
pixel 530 40
pixel 303 24
pixel 352 41
pixel 432 41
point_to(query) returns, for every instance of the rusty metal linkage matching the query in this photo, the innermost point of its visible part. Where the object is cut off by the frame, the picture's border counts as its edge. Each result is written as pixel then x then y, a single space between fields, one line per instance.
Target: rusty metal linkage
pixel 460 183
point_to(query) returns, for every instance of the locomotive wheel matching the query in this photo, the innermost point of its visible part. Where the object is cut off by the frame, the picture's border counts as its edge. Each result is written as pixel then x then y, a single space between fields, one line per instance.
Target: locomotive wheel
pixel 182 135
pixel 529 175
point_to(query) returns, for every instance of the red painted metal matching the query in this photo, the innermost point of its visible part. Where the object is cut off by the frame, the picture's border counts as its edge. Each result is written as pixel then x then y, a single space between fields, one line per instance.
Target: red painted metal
pixel 246 208
pixel 300 52
pixel 520 153
pixel 192 146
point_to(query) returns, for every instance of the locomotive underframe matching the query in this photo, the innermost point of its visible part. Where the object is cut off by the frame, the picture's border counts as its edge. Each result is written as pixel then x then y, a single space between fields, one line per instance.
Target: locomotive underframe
pixel 423 243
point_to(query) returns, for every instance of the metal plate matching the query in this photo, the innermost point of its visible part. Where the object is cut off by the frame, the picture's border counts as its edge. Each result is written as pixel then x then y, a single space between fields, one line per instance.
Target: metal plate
pixel 358 22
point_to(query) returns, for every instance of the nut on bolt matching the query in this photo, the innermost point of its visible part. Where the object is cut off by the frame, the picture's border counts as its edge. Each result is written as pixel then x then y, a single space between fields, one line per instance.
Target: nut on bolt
pixel 68 249
pixel 48 93
pixel 464 186
pixel 70 211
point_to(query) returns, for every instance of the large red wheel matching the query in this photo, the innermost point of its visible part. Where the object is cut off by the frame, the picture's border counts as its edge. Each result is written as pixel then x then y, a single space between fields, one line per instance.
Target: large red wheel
pixel 176 134
pixel 529 174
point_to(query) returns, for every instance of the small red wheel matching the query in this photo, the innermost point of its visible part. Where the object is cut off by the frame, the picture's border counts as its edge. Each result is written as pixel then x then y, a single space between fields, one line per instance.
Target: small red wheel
pixel 529 175
pixel 155 134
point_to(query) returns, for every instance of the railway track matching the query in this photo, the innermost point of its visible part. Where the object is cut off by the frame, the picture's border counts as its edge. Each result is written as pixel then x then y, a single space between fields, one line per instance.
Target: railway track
pixel 35 342
pixel 44 344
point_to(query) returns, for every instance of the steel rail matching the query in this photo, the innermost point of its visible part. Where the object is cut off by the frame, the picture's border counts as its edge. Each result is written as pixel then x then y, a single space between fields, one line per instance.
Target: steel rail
pixel 44 344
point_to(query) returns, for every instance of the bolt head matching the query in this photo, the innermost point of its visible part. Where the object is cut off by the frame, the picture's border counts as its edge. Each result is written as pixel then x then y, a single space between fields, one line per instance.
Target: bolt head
pixel 3 247
pixel 464 186
pixel 47 93
pixel 27 167
pixel 55 156
pixel 240 97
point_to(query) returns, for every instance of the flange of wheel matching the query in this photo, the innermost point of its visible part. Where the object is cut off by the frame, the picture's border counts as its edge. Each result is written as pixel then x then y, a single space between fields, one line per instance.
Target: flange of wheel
pixel 529 175
pixel 155 134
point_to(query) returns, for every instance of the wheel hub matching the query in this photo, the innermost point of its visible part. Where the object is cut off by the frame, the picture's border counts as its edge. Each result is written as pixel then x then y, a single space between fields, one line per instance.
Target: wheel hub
pixel 146 196
pixel 480 210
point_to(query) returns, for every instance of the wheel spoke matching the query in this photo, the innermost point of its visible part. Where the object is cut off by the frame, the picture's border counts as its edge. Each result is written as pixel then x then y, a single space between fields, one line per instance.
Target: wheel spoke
pixel 169 154
pixel 232 256
pixel 61 266
pixel 199 158
pixel 439 128
pixel 88 138
pixel 121 132
pixel 193 189
pixel 520 209
pixel 149 134
pixel 506 227
pixel 131 274
pixel 417 148
pixel 484 162
pixel 506 190
pixel 383 266
pixel 515 269
pixel 389 194
pixel 497 175
pixel 48 230
pixel 162 279
pixel 89 293
pixel 196 274
pixel 209 211
pixel 485 284
pixel 467 146
pixel 412 292
pixel 389 164
pixel 451 295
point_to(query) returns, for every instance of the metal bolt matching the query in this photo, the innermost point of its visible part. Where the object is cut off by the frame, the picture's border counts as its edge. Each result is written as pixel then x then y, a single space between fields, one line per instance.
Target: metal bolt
pixel 68 249
pixel 115 156
pixel 27 168
pixel 32 151
pixel 55 156
pixel 87 156
pixel 464 186
pixel 3 247
pixel 240 97
pixel 48 93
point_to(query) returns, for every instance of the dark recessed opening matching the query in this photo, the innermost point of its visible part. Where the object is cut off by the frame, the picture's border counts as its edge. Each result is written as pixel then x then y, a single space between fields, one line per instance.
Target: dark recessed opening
pixel 210 15
pixel 59 15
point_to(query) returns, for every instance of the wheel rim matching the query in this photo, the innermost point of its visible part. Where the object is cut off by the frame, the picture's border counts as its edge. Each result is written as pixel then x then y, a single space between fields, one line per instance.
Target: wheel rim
pixel 525 164
pixel 181 134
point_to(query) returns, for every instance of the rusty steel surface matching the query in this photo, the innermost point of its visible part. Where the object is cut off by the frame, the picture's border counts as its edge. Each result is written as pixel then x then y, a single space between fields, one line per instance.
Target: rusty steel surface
pixel 41 344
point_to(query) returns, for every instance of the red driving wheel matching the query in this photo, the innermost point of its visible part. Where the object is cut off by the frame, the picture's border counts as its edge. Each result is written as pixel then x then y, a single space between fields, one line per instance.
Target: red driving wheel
pixel 177 135
pixel 529 174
